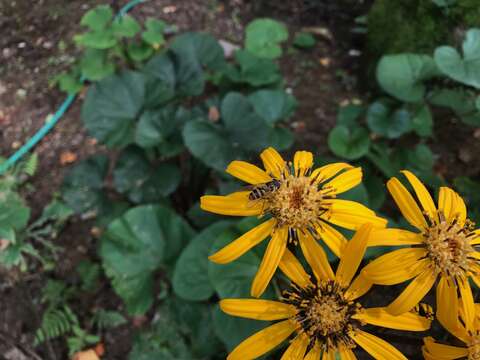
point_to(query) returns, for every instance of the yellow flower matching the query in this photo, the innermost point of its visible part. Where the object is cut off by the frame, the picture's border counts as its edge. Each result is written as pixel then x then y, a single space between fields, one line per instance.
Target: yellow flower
pixel 323 312
pixel 464 326
pixel 297 201
pixel 443 247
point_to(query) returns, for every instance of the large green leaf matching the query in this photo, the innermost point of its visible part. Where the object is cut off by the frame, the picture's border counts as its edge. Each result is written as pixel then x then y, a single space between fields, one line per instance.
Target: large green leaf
pixel 111 107
pixel 209 143
pixel 253 70
pixel 125 26
pixel 97 18
pixel 263 38
pixel 422 121
pixel 467 69
pixel 161 82
pixel 280 138
pixel 153 35
pixel 387 122
pixel 136 245
pixel 461 101
pixel 273 105
pixel 100 40
pixel 245 128
pixel 14 214
pixel 192 52
pixel 401 75
pixel 190 278
pixel 82 186
pixel 155 127
pixel 95 65
pixel 349 143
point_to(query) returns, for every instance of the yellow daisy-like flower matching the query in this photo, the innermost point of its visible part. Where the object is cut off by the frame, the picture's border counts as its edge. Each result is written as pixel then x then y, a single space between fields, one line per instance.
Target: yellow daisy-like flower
pixel 297 201
pixel 462 326
pixel 443 248
pixel 322 312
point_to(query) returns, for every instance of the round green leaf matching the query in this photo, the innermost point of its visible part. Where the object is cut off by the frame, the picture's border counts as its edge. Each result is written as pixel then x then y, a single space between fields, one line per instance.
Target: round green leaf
pixel 383 121
pixel 125 26
pixel 111 107
pixel 190 278
pixel 209 143
pixel 98 17
pixel 139 52
pixel 467 69
pixel 155 127
pixel 101 40
pixel 280 138
pixel 422 121
pixel 161 82
pixel 263 37
pixel 272 105
pixel 254 70
pixel 401 75
pixel 349 143
pixel 304 40
pixel 153 35
pixel 95 65
pixel 14 214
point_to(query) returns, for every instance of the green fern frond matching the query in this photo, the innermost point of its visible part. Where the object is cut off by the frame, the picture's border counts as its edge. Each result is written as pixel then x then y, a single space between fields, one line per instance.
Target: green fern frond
pixel 30 166
pixel 55 323
pixel 107 319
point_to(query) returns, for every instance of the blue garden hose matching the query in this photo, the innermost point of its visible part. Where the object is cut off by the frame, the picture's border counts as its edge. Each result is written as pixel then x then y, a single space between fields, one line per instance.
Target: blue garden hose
pixel 52 121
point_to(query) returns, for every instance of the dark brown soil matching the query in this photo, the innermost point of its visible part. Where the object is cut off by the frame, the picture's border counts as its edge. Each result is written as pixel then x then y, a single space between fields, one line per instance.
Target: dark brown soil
pixel 31 54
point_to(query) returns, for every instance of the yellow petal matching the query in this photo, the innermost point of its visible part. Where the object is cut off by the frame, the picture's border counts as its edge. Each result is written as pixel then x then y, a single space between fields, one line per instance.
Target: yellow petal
pixel 447 203
pixel 378 348
pixel 273 162
pixel 394 237
pixel 332 238
pixel 407 205
pixel 244 243
pixel 460 209
pixel 302 161
pixel 346 354
pixel 468 304
pixel 316 257
pixel 396 267
pixel 447 305
pixel 291 267
pixel 422 194
pixel 326 172
pixel 297 348
pixel 359 287
pixel 275 250
pixel 441 351
pixel 475 240
pixel 381 317
pixel 236 204
pixel 247 172
pixel 314 353
pixel 257 309
pixel 353 255
pixel 328 354
pixel 263 341
pixel 351 215
pixel 413 293
pixel 345 181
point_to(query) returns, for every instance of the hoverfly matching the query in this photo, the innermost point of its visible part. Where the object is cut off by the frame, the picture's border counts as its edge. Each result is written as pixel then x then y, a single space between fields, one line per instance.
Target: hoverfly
pixel 262 190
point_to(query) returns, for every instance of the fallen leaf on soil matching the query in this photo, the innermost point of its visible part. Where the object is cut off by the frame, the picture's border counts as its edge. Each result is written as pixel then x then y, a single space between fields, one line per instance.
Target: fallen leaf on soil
pixel 92 141
pixel 86 355
pixel 16 144
pixel 100 349
pixel 228 48
pixel 213 114
pixel 67 157
pixel 325 61
pixel 96 232
pixel 169 9
pixel 321 31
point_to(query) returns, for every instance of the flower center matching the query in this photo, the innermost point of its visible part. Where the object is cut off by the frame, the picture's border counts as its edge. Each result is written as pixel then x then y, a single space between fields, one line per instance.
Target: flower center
pixel 297 203
pixel 324 314
pixel 474 348
pixel 448 246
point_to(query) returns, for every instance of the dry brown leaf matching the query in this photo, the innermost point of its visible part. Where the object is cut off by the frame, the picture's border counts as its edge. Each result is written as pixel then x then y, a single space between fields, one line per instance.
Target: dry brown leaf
pixel 67 157
pixel 213 114
pixel 86 355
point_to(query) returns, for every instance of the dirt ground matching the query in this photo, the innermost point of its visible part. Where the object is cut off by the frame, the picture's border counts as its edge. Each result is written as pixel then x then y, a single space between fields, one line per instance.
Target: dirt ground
pixel 35 45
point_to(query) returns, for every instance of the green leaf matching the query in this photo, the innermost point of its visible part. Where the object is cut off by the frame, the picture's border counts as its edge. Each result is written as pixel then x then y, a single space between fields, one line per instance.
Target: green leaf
pixel 190 278
pixel 139 51
pixel 69 83
pixel 134 176
pixel 161 81
pixel 8 234
pixel 348 115
pixel 94 65
pixel 97 18
pixel 154 33
pixel 13 211
pixel 401 75
pixel 280 138
pixel 245 128
pixel 210 144
pixel 111 107
pixel 194 51
pixel 82 185
pixel 304 40
pixel 100 40
pixel 155 127
pixel 125 26
pixel 383 121
pixel 422 121
pixel 135 246
pixel 422 157
pixel 462 102
pixel 263 37
pixel 467 69
pixel 349 144
pixel 233 330
pixel 254 70
pixel 273 105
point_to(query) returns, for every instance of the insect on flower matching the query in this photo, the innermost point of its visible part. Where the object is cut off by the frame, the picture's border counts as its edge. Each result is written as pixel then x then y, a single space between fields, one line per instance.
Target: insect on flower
pixel 323 313
pixel 298 203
